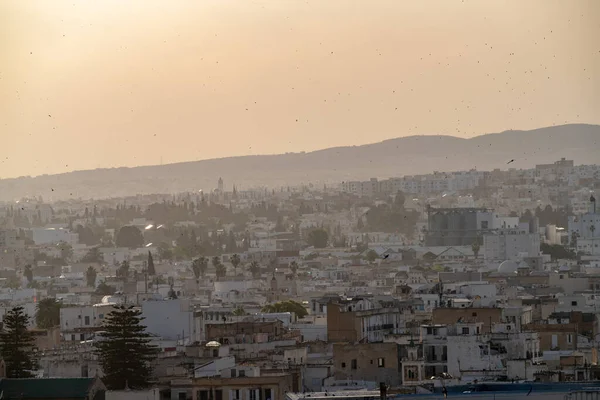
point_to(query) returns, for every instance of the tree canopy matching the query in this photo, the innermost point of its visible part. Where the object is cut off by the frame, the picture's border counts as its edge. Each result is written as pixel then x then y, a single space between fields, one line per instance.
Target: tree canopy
pixel 17 345
pixel 90 276
pixel 318 238
pixel 371 256
pixel 130 236
pixel 286 306
pixel 48 313
pixel 125 353
pixel 28 273
pixel 105 290
pixel 93 256
pixel 199 267
pixel 558 252
pixel 235 261
pixel 254 268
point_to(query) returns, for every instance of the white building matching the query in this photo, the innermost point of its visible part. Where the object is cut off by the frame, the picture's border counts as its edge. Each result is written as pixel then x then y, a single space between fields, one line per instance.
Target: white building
pixel 81 322
pixel 54 235
pixel 169 319
pixel 511 244
pixel 586 228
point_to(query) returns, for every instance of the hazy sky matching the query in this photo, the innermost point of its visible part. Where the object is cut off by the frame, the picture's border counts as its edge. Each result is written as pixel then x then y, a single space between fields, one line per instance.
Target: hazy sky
pixel 88 84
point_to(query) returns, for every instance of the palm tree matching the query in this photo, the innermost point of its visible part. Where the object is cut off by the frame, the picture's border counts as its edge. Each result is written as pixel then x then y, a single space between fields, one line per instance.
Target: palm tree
pixel 220 270
pixel 235 261
pixel 48 313
pixel 199 267
pixel 254 268
pixel 294 267
pixel 239 311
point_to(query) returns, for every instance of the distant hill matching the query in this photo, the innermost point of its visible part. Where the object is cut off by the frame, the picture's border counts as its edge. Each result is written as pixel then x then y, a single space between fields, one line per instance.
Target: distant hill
pixel 390 158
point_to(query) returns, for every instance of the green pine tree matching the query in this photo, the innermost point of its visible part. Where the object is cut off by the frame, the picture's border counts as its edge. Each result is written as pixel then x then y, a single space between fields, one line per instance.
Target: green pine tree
pixel 17 345
pixel 126 354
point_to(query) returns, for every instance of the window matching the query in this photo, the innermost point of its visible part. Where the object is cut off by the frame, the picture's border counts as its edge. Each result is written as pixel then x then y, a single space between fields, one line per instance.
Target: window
pixel 233 373
pixel 381 362
pixel 72 337
pixel 574 303
pixel 465 330
pixel 508 327
pixel 252 395
pixel 218 394
pixel 474 314
pixel 343 365
pixel 268 394
pixel 242 373
pixel 100 316
pixel 182 396
pixel 484 224
pixel 202 395
pixel 569 338
pixel 87 320
pixel 235 394
pixel 432 331
pixel 353 364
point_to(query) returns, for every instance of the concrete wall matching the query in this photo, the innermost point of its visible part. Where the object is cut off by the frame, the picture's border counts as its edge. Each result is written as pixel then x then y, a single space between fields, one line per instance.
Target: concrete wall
pixel 364 361
pixel 169 319
pixel 341 326
pixel 311 332
pixel 150 394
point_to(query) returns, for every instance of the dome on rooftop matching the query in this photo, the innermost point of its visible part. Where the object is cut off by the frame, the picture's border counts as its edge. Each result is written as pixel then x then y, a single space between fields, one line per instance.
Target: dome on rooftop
pixel 508 267
pixel 213 344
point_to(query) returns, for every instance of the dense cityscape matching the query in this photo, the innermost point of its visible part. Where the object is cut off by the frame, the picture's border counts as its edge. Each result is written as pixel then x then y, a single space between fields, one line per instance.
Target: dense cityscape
pixel 416 284
pixel 299 200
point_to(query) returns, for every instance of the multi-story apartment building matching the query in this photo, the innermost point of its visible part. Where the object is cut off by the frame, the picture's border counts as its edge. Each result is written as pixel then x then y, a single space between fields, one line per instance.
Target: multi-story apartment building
pixel 362 319
pixel 457 226
pixel 512 244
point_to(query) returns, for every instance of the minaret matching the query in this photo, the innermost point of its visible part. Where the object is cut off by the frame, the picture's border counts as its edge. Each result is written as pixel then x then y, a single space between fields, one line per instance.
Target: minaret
pixel 592 204
pixel 220 185
pixel 273 294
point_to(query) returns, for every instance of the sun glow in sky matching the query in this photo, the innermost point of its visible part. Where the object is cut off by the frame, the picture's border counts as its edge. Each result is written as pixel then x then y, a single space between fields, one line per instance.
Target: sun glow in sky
pixel 88 84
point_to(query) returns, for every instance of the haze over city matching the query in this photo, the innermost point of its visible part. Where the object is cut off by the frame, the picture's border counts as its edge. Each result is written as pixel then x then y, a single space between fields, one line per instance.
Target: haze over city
pixel 299 200
pixel 110 83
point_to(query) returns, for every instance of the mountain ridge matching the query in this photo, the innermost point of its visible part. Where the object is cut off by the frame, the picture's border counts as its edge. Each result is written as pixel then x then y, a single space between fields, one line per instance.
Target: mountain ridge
pixel 394 157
